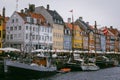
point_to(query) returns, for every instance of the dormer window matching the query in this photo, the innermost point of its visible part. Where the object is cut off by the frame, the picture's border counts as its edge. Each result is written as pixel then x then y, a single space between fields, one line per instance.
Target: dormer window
pixel 28 19
pixel 35 21
pixel 31 20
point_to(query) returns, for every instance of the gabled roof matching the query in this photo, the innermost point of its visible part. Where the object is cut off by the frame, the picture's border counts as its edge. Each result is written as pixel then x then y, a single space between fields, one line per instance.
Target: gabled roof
pixel 37 16
pixel 4 21
pixel 70 25
pixel 84 26
pixel 4 24
pixel 55 15
pixel 107 31
pixel 33 15
pixel 23 15
pixel 114 31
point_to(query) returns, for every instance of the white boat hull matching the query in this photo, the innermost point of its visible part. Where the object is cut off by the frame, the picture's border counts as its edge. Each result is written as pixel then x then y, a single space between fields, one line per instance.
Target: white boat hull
pixel 89 67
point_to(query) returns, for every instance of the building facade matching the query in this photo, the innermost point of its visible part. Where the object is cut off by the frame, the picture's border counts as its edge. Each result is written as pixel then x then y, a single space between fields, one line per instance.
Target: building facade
pixel 28 31
pixel 67 38
pixel 57 23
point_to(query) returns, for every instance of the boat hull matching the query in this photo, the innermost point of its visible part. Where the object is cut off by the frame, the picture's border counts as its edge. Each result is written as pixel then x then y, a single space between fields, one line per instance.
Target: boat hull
pixel 27 70
pixel 21 72
pixel 89 67
pixel 103 64
pixel 73 67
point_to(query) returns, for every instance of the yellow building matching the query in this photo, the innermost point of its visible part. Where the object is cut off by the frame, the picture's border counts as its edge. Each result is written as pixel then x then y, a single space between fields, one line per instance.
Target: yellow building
pixel 1 31
pixel 77 38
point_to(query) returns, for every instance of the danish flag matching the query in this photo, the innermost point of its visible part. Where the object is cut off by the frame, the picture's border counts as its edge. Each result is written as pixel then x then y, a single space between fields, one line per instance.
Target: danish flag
pixel 105 30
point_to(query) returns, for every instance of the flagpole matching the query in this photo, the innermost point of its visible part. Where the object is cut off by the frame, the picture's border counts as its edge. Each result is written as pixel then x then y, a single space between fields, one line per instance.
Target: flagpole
pixel 72 38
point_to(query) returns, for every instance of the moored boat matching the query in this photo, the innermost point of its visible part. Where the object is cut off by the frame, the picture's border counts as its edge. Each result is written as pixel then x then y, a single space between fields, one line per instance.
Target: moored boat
pixel 104 62
pixel 89 67
pixel 39 66
pixel 74 65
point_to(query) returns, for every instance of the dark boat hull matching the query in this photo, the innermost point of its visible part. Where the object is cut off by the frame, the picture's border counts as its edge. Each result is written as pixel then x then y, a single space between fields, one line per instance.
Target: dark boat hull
pixel 1 69
pixel 21 72
pixel 73 67
pixel 103 64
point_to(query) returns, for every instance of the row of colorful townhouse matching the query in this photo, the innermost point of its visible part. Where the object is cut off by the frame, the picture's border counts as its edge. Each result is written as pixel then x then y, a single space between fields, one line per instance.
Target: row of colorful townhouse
pixel 41 28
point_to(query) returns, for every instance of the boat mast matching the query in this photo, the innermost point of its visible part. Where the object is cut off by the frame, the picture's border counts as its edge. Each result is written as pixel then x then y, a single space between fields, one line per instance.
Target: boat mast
pixel 95 37
pixel 72 38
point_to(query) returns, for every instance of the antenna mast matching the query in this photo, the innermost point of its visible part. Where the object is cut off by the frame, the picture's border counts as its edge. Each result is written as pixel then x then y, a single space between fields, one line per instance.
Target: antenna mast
pixel 16 5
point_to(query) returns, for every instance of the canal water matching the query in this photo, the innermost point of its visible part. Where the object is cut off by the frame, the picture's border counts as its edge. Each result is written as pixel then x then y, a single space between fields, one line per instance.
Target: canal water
pixel 102 74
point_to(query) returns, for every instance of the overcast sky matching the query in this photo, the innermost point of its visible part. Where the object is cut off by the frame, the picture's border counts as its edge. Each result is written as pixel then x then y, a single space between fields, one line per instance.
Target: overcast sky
pixel 105 12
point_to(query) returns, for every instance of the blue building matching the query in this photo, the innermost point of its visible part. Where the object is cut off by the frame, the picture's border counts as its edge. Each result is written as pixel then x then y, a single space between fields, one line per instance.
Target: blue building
pixel 103 43
pixel 67 38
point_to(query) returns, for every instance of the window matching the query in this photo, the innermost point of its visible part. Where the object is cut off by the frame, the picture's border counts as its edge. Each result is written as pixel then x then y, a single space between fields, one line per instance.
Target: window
pixel 31 20
pixel 7 28
pixel 33 28
pixel 36 37
pixel 40 37
pixel 11 28
pixel 42 29
pixel 11 36
pixel 19 27
pixel 16 20
pixel 26 27
pixel 12 20
pixel 37 29
pixel 7 37
pixel 15 28
pixel 33 37
pixel 26 36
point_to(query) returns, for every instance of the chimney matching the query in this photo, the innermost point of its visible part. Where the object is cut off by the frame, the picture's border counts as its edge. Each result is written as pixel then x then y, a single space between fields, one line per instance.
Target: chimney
pixel 31 7
pixel 48 7
pixel 111 27
pixel 69 20
pixel 3 14
pixel 26 10
pixel 22 11
pixel 80 18
pixel 87 23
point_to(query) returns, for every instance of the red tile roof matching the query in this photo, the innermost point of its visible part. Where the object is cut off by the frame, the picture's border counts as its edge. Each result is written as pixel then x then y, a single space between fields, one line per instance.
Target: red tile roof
pixel 33 15
pixel 37 16
pixel 71 26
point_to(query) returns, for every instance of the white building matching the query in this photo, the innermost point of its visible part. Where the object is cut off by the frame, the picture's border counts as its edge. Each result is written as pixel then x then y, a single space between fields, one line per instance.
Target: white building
pixel 28 31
